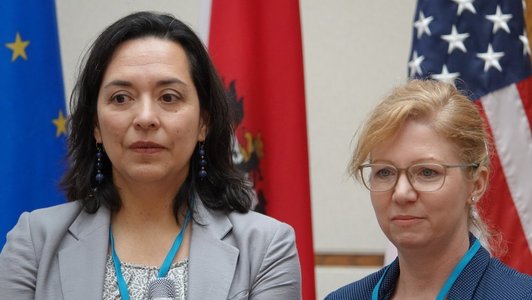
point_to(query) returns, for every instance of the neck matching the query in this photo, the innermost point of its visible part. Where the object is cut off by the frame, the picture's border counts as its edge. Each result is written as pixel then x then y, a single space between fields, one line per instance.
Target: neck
pixel 147 201
pixel 145 225
pixel 424 271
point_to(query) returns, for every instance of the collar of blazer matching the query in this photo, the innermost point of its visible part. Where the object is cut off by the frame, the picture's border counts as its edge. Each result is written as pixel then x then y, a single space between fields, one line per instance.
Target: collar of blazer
pixel 82 255
pixel 212 261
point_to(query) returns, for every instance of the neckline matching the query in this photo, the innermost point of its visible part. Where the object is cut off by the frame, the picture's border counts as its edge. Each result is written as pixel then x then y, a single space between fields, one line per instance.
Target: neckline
pixel 444 290
pixel 165 266
pixel 131 265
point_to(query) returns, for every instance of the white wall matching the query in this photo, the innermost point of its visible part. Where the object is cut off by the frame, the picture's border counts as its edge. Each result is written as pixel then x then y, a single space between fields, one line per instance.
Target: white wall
pixel 354 52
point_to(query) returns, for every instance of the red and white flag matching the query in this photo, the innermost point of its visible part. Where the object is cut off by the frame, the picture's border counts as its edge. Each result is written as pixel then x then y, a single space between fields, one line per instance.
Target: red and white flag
pixel 483 47
pixel 257 48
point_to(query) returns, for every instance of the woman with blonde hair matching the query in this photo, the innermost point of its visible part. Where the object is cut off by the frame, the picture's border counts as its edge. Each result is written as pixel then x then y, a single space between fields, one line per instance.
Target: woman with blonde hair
pixel 424 155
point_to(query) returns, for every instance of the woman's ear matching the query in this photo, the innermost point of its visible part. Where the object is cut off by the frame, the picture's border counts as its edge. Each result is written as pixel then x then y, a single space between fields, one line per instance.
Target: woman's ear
pixel 96 130
pixel 480 182
pixel 97 134
pixel 204 126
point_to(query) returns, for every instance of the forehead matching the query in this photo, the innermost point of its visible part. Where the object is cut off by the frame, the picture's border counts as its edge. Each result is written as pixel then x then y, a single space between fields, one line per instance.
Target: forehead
pixel 415 141
pixel 143 54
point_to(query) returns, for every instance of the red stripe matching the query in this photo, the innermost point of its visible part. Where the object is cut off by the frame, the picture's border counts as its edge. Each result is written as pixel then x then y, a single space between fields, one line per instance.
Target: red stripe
pixel 525 91
pixel 498 210
pixel 258 44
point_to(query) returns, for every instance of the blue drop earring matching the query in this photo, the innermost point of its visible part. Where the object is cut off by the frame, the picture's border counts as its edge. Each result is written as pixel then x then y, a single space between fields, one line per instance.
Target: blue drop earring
pixel 99 154
pixel 203 161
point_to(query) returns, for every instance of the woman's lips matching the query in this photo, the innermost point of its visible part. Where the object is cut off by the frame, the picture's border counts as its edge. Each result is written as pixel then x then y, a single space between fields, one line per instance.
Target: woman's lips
pixel 406 220
pixel 146 147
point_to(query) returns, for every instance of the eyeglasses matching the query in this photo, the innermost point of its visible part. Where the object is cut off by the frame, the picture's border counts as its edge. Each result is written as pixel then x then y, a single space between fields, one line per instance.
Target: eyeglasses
pixel 425 177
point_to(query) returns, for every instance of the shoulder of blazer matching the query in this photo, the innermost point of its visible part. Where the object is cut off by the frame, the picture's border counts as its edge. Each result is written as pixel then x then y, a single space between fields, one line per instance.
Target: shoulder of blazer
pixel 52 221
pixel 249 226
pixel 51 224
pixel 253 224
pixel 502 282
pixel 363 288
pixel 229 251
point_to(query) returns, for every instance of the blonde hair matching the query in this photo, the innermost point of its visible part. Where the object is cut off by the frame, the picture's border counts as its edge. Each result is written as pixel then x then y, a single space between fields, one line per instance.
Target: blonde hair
pixel 449 112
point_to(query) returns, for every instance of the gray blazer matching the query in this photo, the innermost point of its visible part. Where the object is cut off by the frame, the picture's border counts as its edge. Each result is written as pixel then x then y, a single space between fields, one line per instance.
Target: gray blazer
pixel 60 253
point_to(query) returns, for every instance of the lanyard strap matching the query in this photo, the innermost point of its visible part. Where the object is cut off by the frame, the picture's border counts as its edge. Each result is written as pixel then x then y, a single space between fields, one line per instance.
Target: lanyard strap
pixel 450 280
pixel 457 270
pixel 163 270
pixel 173 251
pixel 375 293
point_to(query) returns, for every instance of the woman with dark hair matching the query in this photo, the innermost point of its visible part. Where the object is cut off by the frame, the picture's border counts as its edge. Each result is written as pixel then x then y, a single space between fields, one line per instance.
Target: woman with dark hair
pixel 156 207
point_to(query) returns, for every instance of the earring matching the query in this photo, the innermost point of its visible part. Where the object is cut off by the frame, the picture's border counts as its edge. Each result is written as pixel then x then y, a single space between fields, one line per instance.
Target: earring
pixel 99 176
pixel 473 199
pixel 203 161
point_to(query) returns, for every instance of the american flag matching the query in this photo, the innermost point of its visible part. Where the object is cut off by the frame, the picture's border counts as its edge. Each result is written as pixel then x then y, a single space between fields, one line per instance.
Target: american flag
pixel 482 46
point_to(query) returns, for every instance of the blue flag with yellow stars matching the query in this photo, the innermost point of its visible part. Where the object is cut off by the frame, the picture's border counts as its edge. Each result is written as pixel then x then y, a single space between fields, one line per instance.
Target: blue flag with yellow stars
pixel 32 110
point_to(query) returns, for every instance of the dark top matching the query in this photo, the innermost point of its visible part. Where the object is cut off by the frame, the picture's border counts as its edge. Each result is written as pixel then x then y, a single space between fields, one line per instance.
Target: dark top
pixel 483 278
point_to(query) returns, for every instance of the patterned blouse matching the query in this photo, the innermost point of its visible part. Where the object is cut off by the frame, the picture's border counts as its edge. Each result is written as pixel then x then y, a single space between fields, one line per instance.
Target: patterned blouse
pixel 137 278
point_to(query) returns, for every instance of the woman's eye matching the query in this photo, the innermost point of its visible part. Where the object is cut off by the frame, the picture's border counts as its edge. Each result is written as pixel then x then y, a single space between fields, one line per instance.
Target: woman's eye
pixel 384 172
pixel 120 98
pixel 169 98
pixel 426 172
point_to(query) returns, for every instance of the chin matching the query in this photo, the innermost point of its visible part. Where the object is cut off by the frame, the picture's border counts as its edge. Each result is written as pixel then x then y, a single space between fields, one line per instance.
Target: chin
pixel 408 240
pixel 147 174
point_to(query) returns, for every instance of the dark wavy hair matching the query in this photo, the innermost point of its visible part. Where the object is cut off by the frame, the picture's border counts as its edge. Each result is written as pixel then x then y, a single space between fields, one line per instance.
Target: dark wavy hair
pixel 225 188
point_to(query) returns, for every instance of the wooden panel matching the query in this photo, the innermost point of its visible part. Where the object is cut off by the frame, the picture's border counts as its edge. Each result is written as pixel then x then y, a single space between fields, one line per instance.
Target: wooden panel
pixel 528 18
pixel 349 260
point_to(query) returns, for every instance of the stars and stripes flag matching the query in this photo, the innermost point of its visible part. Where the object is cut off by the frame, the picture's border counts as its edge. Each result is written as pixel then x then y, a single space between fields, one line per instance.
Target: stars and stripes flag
pixel 32 108
pixel 482 46
pixel 257 48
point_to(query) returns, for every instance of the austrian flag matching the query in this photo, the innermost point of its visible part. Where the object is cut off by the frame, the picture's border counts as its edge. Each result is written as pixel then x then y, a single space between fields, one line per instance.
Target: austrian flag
pixel 257 48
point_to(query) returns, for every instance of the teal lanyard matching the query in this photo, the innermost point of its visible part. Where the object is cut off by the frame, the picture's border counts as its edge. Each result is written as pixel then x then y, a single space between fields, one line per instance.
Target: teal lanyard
pixel 457 270
pixel 450 280
pixel 375 293
pixel 122 285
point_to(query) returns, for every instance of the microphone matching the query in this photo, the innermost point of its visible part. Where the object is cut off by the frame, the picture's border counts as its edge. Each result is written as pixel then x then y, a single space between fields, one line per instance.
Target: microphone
pixel 162 288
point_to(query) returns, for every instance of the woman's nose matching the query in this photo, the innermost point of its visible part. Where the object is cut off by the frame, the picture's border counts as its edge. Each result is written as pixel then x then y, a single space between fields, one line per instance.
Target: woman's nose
pixel 146 114
pixel 404 191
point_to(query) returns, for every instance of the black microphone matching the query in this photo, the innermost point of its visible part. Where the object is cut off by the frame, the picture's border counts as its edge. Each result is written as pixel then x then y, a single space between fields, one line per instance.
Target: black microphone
pixel 162 289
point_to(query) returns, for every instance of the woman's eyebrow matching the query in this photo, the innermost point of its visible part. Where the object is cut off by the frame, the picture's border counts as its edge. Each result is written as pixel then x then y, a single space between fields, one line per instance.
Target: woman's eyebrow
pixel 118 83
pixel 125 83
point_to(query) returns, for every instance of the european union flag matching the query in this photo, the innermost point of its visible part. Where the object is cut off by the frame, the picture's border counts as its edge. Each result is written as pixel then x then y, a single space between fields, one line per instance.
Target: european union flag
pixel 32 110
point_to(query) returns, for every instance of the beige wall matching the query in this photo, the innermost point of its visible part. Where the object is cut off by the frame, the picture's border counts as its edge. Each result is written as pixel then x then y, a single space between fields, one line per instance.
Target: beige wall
pixel 354 51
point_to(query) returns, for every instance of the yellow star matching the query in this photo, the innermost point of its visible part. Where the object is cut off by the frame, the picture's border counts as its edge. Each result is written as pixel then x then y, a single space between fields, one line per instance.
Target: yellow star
pixel 60 124
pixel 18 47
